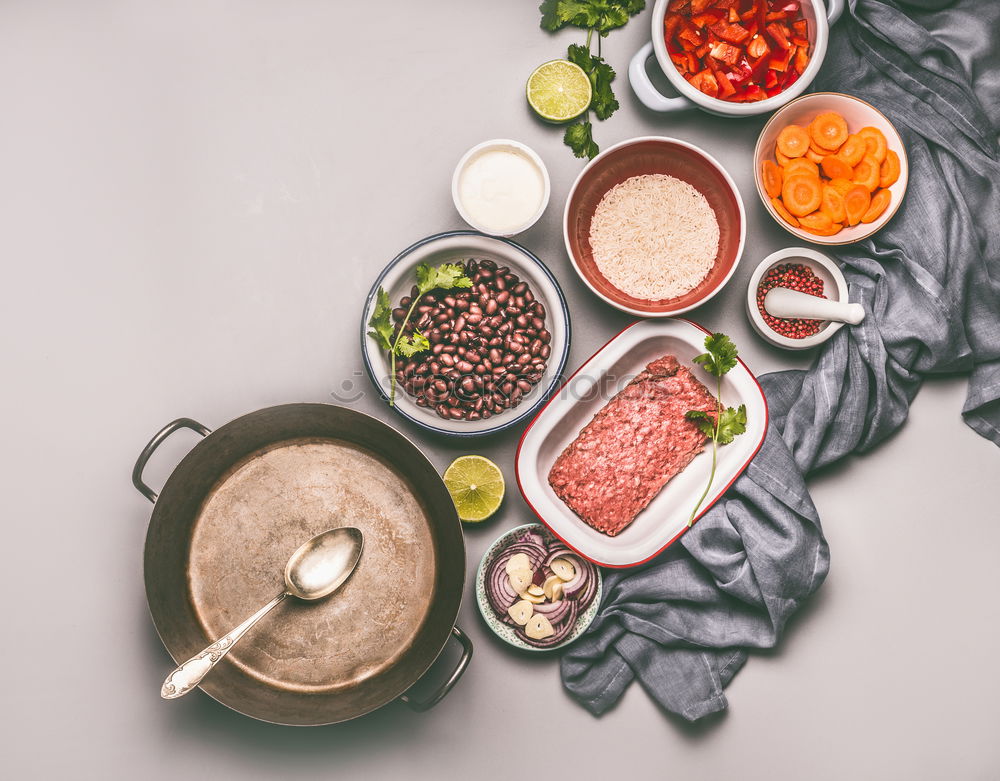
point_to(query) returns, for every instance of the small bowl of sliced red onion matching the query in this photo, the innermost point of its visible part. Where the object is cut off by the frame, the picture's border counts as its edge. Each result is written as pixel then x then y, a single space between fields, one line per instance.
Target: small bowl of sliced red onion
pixel 534 592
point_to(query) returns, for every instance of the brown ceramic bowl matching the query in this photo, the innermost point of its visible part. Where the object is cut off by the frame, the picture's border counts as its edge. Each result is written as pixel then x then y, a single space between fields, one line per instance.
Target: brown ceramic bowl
pixel 655 155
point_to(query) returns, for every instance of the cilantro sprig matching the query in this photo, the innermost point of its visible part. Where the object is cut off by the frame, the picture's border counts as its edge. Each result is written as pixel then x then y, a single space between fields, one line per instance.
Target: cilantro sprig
pixel 601 16
pixel 394 340
pixel 728 423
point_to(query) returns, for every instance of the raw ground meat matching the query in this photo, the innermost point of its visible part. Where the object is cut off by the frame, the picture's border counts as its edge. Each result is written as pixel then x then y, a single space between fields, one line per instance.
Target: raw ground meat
pixel 632 447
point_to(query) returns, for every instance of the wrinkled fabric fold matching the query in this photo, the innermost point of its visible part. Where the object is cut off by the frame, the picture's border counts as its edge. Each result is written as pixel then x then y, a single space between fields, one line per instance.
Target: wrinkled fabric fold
pixel 929 281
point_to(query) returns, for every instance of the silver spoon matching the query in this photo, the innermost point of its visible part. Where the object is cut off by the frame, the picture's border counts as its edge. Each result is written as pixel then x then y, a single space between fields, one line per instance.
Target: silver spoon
pixel 317 569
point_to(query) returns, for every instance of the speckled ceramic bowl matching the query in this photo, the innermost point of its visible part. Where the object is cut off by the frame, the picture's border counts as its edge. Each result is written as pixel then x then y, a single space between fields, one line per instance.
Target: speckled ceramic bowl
pixel 506 632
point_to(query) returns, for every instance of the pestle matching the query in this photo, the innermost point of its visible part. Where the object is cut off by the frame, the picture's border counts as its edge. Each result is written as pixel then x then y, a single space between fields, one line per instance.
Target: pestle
pixel 782 302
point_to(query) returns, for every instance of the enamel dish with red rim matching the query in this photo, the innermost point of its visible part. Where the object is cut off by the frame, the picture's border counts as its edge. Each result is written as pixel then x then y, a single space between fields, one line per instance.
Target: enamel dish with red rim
pixel 619 363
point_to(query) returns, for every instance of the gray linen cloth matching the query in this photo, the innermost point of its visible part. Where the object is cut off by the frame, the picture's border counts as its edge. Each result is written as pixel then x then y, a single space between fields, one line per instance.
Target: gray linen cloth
pixel 930 284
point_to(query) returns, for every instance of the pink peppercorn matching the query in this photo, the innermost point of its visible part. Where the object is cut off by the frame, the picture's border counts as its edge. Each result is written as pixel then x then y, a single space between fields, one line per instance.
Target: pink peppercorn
pixel 795 276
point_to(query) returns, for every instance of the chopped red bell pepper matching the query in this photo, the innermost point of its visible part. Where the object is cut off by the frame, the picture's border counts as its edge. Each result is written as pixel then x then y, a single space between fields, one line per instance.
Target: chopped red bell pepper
pixel 758 47
pixel 725 52
pixel 801 28
pixel 801 59
pixel 703 20
pixel 678 5
pixel 670 23
pixel 776 16
pixel 771 79
pixel 731 33
pixel 780 59
pixel 697 6
pixel 734 15
pixel 690 35
pixel 778 35
pixel 705 82
pixel 753 93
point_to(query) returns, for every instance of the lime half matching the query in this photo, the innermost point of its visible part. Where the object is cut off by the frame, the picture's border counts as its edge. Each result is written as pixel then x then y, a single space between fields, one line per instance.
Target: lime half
pixel 559 91
pixel 476 486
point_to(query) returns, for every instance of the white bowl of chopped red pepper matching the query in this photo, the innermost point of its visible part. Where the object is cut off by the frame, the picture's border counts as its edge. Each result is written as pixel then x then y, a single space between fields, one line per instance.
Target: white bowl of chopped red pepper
pixel 737 59
pixel 804 270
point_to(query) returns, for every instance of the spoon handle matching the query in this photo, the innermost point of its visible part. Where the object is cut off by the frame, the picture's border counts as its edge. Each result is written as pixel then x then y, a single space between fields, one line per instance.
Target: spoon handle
pixel 189 675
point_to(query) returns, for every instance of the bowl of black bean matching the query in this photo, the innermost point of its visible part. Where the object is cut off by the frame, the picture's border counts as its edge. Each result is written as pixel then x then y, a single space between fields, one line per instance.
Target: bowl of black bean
pixel 465 334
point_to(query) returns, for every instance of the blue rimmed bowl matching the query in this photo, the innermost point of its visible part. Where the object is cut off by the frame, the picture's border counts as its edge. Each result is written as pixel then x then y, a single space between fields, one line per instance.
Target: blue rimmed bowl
pixel 455 246
pixel 504 630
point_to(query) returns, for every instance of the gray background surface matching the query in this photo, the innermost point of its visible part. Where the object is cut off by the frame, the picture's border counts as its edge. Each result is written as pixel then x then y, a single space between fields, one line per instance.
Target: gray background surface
pixel 195 197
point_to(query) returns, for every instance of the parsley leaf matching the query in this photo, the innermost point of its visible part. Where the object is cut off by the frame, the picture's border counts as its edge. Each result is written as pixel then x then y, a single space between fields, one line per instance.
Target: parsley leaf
pixel 728 423
pixel 704 421
pixel 579 138
pixel 446 276
pixel 381 321
pixel 732 423
pixel 721 355
pixel 408 346
pixel 601 75
pixel 601 15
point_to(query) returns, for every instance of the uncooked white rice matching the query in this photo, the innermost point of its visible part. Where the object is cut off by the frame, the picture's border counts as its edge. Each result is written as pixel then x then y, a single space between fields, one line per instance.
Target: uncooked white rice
pixel 654 237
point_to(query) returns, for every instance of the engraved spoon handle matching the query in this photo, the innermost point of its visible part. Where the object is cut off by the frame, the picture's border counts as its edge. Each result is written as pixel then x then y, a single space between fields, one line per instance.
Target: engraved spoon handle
pixel 189 675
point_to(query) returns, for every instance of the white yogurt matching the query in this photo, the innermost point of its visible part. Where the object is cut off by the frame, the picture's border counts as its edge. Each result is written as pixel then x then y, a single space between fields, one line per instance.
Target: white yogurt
pixel 500 189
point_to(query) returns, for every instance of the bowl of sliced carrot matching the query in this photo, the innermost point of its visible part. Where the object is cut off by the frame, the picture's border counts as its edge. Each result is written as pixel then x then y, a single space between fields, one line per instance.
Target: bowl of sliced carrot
pixel 830 168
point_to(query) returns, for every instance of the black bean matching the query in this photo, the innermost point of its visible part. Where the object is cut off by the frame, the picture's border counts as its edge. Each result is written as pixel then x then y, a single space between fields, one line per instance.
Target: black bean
pixel 529 297
pixel 522 321
pixel 429 299
pixel 464 366
pixel 520 288
pixel 473 319
pixel 503 298
pixel 473 416
pixel 545 336
pixel 537 323
pixel 405 302
pixel 545 351
pixel 491 307
pixel 500 283
pixel 447 360
pixel 398 314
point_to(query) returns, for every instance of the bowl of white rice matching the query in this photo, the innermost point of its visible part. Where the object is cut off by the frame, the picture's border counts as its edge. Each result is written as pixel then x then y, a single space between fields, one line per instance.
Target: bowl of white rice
pixel 655 226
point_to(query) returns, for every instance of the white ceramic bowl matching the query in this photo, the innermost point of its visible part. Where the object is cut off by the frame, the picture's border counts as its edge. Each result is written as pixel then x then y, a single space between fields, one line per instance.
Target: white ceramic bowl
pixel 818 14
pixel 398 277
pixel 834 287
pixel 503 145
pixel 858 114
pixel 665 518
pixel 505 631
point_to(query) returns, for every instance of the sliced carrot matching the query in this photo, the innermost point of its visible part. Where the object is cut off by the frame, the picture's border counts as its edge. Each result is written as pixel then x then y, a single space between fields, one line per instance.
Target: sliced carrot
pixel 802 165
pixel 786 215
pixel 875 141
pixel 878 205
pixel 802 194
pixel 835 167
pixel 828 130
pixel 889 170
pixel 771 177
pixel 816 157
pixel 816 222
pixel 793 141
pixel 834 229
pixel 832 204
pixel 841 185
pixel 853 150
pixel 818 149
pixel 782 159
pixel 856 203
pixel 867 173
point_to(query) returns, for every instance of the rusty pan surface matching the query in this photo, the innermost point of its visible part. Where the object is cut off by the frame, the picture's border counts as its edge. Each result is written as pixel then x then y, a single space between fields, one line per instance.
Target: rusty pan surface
pixel 243 500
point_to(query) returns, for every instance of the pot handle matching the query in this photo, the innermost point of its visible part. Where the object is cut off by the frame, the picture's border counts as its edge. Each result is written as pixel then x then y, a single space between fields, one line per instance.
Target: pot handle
pixel 155 442
pixel 834 8
pixel 643 87
pixel 430 702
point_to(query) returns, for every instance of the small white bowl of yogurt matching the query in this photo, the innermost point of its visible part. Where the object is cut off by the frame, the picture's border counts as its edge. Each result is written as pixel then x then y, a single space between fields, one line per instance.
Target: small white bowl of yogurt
pixel 500 187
